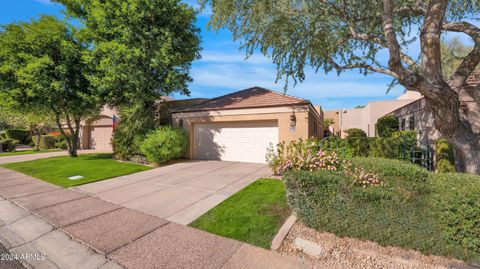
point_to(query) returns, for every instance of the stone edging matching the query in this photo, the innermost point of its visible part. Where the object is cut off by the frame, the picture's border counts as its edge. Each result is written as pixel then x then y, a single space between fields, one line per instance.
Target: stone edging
pixel 282 233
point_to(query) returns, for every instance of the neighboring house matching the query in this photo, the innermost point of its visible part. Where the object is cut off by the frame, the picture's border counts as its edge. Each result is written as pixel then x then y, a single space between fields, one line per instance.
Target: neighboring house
pixel 240 126
pixel 97 133
pixel 366 118
pixel 418 115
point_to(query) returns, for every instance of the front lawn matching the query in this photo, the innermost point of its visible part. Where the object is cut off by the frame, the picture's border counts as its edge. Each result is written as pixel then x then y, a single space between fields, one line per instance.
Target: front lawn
pixel 25 152
pixel 252 215
pixel 93 167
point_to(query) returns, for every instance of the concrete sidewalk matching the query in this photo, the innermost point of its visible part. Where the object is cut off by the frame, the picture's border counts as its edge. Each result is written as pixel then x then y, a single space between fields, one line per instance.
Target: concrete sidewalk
pixel 31 157
pixel 36 217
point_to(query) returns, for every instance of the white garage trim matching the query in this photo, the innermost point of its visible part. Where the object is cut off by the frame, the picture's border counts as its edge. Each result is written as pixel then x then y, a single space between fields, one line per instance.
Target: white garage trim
pixel 234 141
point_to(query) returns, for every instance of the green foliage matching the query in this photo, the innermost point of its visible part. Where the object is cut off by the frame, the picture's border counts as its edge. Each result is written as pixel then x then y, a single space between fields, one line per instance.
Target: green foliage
pixel 142 54
pixel 433 213
pixel 453 51
pixel 355 132
pixel 444 156
pixel 42 69
pixel 253 215
pixel 386 125
pixel 164 144
pixel 456 199
pixel 8 145
pixel 46 141
pixel 19 134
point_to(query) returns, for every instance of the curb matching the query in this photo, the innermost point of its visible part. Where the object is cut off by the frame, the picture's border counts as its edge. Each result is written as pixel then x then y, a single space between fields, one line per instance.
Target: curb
pixel 282 233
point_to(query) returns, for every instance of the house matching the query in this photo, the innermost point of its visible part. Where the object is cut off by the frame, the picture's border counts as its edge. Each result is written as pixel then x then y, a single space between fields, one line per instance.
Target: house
pixel 97 132
pixel 366 117
pixel 240 126
pixel 418 115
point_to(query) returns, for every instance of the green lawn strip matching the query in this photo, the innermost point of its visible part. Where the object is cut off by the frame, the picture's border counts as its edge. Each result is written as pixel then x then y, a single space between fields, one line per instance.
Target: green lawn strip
pixel 253 215
pixel 93 167
pixel 26 152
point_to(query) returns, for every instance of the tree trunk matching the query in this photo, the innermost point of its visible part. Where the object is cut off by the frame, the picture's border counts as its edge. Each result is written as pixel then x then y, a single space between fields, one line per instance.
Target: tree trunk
pixel 467 149
pixel 453 123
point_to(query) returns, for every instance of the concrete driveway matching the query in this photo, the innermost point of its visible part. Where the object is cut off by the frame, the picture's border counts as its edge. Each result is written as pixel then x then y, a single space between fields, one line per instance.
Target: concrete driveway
pixel 179 192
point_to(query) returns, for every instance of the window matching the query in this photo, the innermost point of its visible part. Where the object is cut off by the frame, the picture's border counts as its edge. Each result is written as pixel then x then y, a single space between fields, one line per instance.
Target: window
pixel 402 125
pixel 411 123
pixel 315 128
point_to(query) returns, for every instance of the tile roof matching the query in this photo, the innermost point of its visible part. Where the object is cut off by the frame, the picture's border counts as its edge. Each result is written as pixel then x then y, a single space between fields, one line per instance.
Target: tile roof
pixel 249 98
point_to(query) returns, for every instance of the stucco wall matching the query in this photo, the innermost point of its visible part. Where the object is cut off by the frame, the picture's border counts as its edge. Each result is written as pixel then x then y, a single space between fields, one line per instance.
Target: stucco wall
pixel 280 115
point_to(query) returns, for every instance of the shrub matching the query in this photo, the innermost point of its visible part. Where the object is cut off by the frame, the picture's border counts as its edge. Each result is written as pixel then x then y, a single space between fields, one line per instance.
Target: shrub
pixel 445 159
pixel 8 145
pixel 164 144
pixel 338 145
pixel 386 125
pixel 355 132
pixel 23 136
pixel 46 141
pixel 301 155
pixel 3 135
pixel 433 213
pixel 456 198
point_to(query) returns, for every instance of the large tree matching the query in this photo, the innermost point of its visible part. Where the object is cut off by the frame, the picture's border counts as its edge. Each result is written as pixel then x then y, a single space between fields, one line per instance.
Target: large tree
pixel 42 69
pixel 355 34
pixel 142 50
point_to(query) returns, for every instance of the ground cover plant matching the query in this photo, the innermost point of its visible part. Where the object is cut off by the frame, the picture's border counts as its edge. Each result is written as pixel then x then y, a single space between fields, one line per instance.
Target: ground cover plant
pixel 435 213
pixel 253 215
pixel 93 167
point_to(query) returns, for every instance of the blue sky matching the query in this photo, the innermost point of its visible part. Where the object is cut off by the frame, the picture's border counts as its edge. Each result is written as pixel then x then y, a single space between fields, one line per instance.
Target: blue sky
pixel 223 68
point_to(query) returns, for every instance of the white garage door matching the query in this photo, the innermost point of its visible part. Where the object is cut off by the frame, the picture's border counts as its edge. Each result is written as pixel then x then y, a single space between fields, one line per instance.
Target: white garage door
pixel 100 137
pixel 234 141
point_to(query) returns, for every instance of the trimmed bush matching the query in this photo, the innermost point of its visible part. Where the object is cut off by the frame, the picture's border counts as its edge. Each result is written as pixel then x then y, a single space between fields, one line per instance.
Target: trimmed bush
pixel 164 144
pixel 23 136
pixel 46 141
pixel 386 125
pixel 8 145
pixel 355 132
pixel 445 159
pixel 432 213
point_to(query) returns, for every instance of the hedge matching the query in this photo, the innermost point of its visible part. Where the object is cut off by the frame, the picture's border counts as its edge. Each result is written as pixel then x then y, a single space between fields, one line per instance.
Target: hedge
pixel 432 213
pixel 23 136
pixel 46 141
pixel 8 145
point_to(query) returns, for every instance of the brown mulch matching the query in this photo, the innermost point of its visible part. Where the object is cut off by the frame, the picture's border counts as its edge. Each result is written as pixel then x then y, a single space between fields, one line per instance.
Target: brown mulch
pixel 354 253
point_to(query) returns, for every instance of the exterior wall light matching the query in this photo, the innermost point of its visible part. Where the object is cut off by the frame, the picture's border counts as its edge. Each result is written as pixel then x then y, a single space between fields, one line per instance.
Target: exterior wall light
pixel 180 123
pixel 293 122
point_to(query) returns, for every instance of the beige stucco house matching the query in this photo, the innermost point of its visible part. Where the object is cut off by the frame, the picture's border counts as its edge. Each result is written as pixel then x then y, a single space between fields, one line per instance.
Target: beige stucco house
pixel 418 115
pixel 366 118
pixel 240 126
pixel 97 133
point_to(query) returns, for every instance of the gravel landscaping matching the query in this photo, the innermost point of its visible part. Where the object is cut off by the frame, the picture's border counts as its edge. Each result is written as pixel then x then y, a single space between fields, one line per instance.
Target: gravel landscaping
pixel 353 253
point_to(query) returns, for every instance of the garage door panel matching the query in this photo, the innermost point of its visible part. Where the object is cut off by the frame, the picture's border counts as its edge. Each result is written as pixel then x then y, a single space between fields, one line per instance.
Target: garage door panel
pixel 100 137
pixel 234 141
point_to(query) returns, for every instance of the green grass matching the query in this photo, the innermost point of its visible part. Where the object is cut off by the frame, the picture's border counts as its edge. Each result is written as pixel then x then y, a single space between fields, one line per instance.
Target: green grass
pixel 26 152
pixel 93 167
pixel 252 215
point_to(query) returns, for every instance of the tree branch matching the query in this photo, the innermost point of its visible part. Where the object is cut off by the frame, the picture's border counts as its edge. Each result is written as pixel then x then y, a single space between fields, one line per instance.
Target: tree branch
pixel 463 27
pixel 430 41
pixel 394 63
pixel 363 66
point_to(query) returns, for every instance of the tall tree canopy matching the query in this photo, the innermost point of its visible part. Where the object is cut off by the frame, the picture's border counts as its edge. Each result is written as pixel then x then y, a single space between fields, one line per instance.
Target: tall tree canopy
pixel 42 71
pixel 142 50
pixel 354 34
